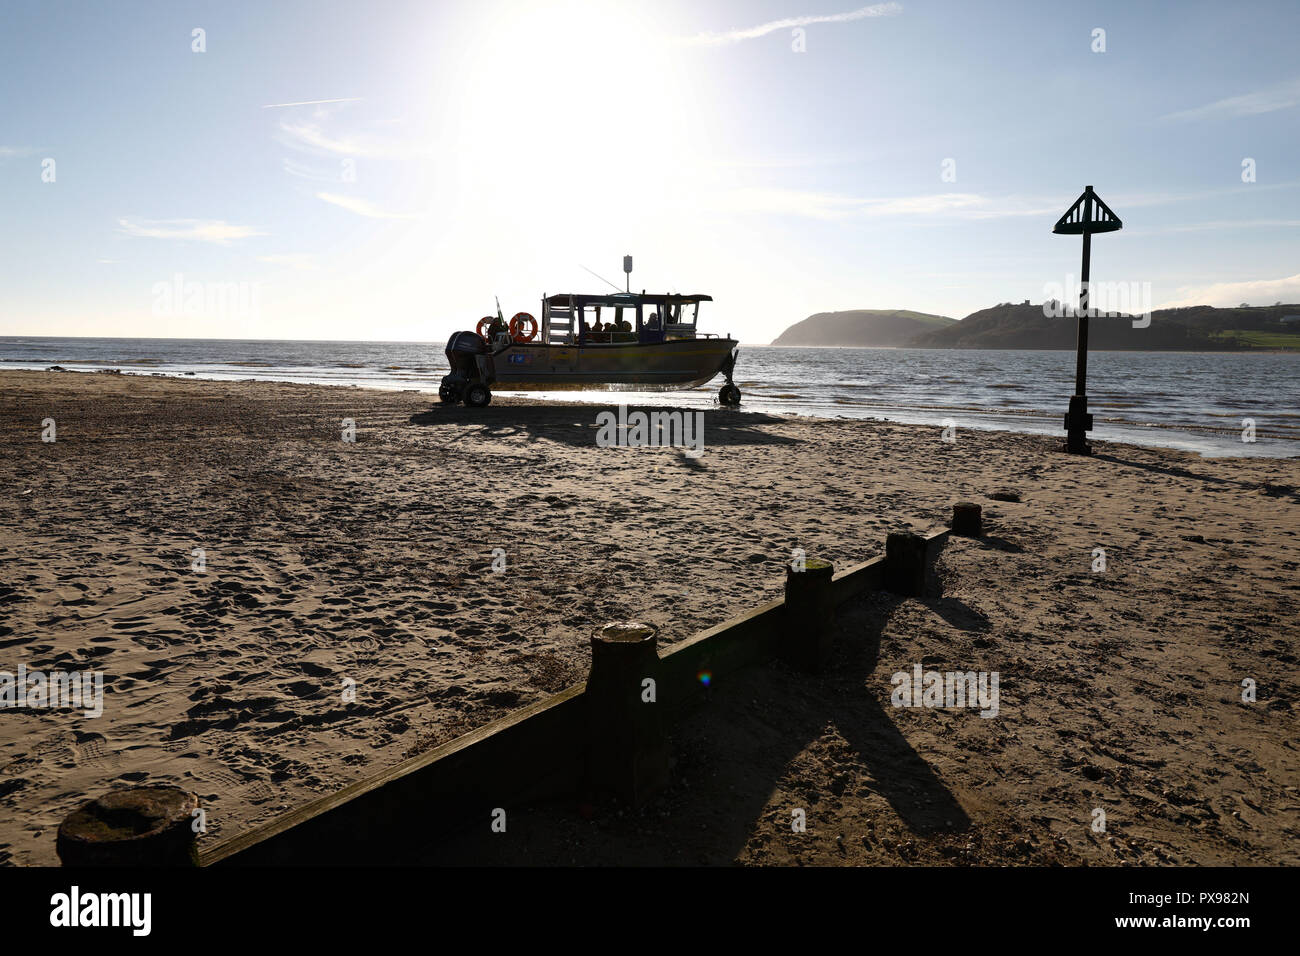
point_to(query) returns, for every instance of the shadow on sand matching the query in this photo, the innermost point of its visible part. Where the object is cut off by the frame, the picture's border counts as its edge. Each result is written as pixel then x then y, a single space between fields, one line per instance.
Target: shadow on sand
pixel 1173 471
pixel 752 737
pixel 575 425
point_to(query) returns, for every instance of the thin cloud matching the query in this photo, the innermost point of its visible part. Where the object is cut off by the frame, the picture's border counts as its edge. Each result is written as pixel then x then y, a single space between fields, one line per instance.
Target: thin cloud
pixel 6 151
pixel 1255 291
pixel 301 261
pixel 824 205
pixel 1280 97
pixel 1127 200
pixel 1222 224
pixel 763 29
pixel 346 99
pixel 820 205
pixel 196 230
pixel 363 207
pixel 311 136
pixel 789 161
pixel 925 205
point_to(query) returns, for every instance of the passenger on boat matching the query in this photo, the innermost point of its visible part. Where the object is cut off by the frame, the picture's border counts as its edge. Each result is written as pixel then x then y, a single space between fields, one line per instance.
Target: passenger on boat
pixel 496 328
pixel 623 325
pixel 650 332
pixel 596 326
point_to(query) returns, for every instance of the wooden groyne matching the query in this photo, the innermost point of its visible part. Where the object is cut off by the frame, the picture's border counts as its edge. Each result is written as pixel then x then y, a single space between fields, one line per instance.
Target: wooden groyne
pixel 607 735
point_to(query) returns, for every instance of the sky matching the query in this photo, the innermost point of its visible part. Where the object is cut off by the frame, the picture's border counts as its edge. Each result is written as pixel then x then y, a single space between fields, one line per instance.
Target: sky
pixel 384 170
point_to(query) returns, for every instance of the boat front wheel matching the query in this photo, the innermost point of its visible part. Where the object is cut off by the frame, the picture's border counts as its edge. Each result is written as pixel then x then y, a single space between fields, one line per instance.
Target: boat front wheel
pixel 477 395
pixel 729 394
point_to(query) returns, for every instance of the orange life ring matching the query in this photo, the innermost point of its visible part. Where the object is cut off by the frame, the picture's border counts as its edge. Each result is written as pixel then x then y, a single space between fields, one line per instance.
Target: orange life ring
pixel 517 325
pixel 483 325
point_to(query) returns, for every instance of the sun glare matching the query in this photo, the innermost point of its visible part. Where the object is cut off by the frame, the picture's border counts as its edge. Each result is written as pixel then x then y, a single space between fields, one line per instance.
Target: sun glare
pixel 578 106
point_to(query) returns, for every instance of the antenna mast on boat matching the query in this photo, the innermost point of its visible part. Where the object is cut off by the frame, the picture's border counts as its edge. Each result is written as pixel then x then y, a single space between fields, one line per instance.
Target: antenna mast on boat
pixel 627 269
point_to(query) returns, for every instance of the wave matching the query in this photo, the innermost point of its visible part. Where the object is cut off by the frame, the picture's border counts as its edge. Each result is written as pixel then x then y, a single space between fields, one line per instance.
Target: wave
pixel 1189 394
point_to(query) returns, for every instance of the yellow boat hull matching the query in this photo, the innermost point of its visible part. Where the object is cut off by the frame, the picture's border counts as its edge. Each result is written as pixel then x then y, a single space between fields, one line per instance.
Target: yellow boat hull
pixel 631 366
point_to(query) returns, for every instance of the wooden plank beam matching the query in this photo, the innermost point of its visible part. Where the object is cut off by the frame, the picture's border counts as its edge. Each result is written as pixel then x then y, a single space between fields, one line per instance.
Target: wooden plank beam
pixel 536 752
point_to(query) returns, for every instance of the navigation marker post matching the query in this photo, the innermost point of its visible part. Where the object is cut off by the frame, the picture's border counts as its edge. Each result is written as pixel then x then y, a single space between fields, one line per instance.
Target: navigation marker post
pixel 1088 215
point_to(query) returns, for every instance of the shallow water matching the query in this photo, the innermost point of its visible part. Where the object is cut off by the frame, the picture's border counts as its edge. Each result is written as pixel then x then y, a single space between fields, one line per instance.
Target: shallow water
pixel 1196 401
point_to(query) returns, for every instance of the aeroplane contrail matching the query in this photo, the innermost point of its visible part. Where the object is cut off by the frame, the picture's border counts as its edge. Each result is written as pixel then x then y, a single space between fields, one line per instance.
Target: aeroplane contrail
pixel 346 99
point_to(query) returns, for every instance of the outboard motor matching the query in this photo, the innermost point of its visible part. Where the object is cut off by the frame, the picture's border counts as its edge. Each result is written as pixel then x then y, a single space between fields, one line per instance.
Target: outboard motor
pixel 471 370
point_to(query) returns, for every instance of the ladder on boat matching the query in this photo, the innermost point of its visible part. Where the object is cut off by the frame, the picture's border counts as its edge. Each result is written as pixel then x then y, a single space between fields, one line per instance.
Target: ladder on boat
pixel 560 323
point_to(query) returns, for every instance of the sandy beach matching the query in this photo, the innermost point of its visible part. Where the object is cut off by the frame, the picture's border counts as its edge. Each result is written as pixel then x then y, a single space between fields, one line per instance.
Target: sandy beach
pixel 328 563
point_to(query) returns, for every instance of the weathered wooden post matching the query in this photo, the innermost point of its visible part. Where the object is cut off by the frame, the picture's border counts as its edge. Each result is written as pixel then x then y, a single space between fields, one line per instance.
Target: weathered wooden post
pixel 809 614
pixel 133 826
pixel 1079 219
pixel 905 563
pixel 967 519
pixel 626 733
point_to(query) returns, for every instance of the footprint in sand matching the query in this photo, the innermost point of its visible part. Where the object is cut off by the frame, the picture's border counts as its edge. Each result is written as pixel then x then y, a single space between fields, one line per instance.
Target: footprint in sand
pixel 238 788
pixel 257 791
pixel 18 766
pixel 223 778
pixel 93 751
pixel 366 652
pixel 61 744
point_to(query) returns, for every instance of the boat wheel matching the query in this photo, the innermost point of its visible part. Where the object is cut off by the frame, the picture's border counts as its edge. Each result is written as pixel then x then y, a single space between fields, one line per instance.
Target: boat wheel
pixel 448 394
pixel 729 394
pixel 477 395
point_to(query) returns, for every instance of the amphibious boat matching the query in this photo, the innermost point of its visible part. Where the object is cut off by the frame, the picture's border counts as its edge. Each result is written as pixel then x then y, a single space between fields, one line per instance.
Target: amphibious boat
pixel 619 342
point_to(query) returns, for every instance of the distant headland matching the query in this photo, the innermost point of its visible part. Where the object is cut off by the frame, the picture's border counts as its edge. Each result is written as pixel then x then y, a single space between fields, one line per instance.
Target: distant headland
pixel 863 327
pixel 1027 326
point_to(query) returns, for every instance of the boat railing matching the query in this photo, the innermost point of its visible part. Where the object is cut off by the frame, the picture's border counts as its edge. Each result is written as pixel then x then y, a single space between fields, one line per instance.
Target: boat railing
pixel 610 338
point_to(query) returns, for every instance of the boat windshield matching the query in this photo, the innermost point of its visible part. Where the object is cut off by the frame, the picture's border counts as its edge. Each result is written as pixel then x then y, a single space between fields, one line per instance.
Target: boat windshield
pixel 682 313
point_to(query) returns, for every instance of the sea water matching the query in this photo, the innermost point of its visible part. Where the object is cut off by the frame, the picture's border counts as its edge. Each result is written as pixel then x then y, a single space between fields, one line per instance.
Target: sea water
pixel 1199 401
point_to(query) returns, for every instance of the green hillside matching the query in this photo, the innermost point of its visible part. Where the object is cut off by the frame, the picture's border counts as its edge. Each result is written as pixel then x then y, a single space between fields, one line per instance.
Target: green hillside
pixel 1203 327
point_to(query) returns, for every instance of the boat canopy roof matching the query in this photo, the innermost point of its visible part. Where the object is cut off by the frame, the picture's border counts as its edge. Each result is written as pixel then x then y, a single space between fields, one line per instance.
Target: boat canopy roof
pixel 625 299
